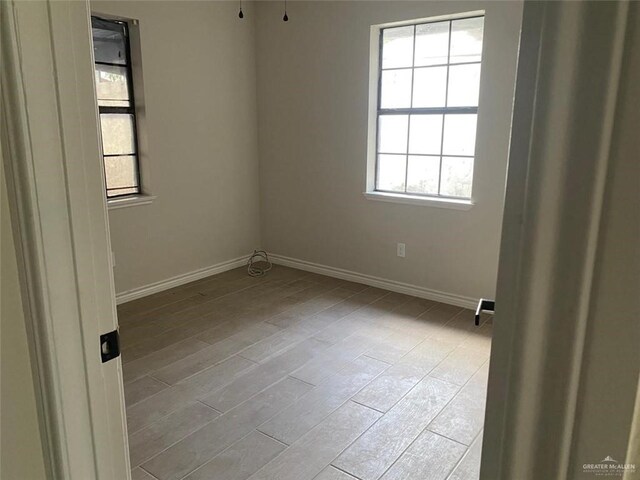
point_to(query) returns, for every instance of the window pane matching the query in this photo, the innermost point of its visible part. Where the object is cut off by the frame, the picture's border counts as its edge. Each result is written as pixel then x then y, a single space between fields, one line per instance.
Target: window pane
pixel 423 174
pixel 425 134
pixel 109 42
pixel 456 177
pixel 432 44
pixel 464 85
pixel 393 133
pixel 121 172
pixel 459 134
pixel 391 172
pixel 396 89
pixel 429 86
pixel 117 134
pixel 397 47
pixel 466 40
pixel 111 86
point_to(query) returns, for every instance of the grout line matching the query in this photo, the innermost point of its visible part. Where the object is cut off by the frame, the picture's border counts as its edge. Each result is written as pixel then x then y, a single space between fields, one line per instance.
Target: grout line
pixel 209 406
pixel 146 471
pixel 300 380
pixel 362 404
pixel 342 470
pixel 448 438
pixel 271 436
pixel 475 439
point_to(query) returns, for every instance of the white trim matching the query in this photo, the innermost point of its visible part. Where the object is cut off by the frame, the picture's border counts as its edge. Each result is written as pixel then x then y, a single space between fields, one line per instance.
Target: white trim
pixel 392 285
pixel 181 279
pixel 439 202
pixel 55 179
pixel 132 201
pixel 437 18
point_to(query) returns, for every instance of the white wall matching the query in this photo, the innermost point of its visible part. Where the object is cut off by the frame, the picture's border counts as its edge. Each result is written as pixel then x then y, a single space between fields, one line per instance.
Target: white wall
pixel 21 448
pixel 312 115
pixel 199 120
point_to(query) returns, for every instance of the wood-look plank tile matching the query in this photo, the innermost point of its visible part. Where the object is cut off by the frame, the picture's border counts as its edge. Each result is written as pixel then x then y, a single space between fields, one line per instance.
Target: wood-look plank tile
pixel 479 338
pixel 469 466
pixel 429 353
pixel 307 457
pixel 481 377
pixel 142 388
pixel 152 409
pixel 307 309
pixel 263 375
pixel 332 329
pixel 334 359
pixel 456 330
pixel 415 307
pixel 332 473
pixel 324 331
pixel 161 358
pixel 140 474
pixel 441 313
pixel 460 365
pixel 274 344
pixel 152 440
pixel 187 329
pixel 241 460
pixel 312 408
pixel 214 354
pixel 202 445
pixel 395 346
pixel 413 463
pixel 205 314
pixel 388 388
pixel 375 451
pixel 462 419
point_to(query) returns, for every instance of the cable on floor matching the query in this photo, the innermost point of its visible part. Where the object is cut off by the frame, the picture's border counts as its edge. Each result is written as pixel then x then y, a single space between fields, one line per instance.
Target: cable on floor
pixel 256 270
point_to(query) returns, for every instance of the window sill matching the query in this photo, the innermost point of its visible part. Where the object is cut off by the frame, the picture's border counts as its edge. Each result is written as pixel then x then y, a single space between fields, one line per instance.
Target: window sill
pixel 132 201
pixel 416 200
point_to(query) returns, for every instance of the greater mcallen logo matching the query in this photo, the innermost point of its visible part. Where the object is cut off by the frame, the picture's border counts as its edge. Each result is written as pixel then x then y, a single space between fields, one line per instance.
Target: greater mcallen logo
pixel 608 467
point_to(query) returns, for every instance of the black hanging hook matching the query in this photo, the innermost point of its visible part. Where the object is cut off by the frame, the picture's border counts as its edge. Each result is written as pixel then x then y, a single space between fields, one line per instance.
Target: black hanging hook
pixel 240 14
pixel 286 17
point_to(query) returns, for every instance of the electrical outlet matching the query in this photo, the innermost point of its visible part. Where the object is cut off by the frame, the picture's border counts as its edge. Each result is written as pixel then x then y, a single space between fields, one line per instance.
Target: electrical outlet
pixel 401 250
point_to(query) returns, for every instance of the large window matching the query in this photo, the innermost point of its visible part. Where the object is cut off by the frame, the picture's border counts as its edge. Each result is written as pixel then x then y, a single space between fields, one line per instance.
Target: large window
pixel 114 89
pixel 429 82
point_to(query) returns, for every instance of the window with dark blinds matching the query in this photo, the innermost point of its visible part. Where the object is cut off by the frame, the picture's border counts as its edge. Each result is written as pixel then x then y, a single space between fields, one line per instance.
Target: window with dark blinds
pixel 114 90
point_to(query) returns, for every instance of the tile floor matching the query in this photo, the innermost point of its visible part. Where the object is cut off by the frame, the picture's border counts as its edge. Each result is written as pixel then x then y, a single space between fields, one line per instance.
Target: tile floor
pixel 297 376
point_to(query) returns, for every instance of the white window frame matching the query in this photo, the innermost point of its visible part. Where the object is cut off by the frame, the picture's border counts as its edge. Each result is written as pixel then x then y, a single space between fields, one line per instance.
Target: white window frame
pixel 371 192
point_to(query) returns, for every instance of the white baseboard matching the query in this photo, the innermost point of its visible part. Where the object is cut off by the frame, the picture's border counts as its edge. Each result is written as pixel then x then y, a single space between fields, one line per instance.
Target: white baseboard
pixel 178 280
pixel 392 285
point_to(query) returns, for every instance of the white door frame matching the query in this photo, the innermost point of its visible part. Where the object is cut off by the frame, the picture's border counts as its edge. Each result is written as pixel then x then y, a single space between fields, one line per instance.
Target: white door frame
pixel 55 185
pixel 56 189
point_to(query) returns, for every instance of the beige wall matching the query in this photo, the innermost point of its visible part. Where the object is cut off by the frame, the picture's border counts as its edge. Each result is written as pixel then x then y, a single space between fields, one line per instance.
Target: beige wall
pixel 21 455
pixel 312 102
pixel 199 120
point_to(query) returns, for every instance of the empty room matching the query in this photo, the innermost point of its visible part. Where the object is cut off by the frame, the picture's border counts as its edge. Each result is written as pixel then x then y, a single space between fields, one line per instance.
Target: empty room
pixel 265 240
